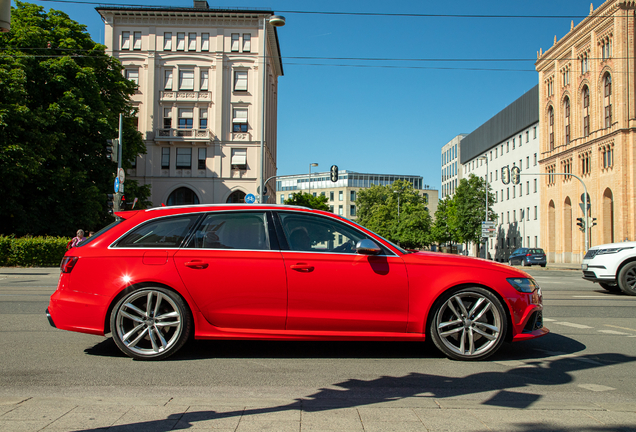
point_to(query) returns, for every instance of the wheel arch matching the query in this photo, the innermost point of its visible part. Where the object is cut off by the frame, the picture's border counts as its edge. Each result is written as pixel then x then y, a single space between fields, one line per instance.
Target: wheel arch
pixel 623 264
pixel 444 295
pixel 139 286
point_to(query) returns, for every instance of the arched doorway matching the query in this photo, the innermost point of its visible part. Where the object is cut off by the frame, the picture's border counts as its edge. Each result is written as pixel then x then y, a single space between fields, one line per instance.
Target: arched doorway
pixel 182 196
pixel 608 216
pixel 236 197
pixel 551 231
pixel 567 230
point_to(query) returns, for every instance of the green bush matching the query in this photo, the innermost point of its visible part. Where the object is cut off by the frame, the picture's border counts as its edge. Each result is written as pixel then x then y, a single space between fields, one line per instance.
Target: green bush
pixel 32 251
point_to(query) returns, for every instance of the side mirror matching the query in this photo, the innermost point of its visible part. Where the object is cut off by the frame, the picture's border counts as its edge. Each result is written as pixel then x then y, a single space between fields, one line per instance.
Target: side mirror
pixel 368 247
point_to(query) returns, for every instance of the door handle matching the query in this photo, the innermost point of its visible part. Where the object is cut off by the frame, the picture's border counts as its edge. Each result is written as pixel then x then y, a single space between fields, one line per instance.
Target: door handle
pixel 197 264
pixel 302 267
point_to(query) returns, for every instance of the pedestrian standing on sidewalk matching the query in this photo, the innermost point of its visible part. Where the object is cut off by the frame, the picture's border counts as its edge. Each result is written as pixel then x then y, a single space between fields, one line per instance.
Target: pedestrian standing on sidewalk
pixel 77 240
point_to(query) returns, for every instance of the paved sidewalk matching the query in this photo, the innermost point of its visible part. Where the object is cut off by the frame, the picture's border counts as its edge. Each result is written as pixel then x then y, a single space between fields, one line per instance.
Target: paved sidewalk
pixel 261 414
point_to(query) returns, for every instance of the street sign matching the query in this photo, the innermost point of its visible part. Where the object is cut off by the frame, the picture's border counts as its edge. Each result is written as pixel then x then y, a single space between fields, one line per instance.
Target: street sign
pixel 116 185
pixel 121 174
pixel 250 199
pixel 487 224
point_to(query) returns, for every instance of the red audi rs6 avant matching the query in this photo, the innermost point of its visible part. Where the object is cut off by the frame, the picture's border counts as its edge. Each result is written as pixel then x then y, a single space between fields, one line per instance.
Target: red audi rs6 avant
pixel 155 277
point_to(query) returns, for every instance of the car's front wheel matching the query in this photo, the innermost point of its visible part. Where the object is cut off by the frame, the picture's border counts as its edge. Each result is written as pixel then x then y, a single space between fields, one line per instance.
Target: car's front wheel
pixel 627 278
pixel 150 323
pixel 469 324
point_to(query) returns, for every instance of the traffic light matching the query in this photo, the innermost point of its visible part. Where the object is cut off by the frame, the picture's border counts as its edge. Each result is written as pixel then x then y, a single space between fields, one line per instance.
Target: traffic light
pixel 580 223
pixel 112 149
pixel 334 173
pixel 505 175
pixel 110 205
pixel 122 203
pixel 515 175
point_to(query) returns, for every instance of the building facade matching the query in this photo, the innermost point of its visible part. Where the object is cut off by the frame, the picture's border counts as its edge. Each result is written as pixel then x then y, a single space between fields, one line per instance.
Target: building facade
pixel 588 119
pixel 510 139
pixel 342 194
pixel 204 98
pixel 451 170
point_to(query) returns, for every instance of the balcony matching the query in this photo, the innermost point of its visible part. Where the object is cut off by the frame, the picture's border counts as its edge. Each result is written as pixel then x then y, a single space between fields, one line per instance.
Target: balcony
pixel 185 96
pixel 197 135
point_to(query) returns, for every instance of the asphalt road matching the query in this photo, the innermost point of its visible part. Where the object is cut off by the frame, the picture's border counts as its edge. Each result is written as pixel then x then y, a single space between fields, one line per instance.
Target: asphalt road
pixel 579 377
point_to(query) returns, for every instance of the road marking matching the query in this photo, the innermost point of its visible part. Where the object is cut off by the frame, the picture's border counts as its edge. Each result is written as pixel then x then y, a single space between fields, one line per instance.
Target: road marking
pixel 598 297
pixel 548 319
pixel 569 324
pixel 596 387
pixel 622 328
pixel 613 332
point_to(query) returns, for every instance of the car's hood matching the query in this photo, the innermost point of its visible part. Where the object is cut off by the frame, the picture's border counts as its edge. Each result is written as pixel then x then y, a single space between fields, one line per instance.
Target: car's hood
pixel 439 258
pixel 615 245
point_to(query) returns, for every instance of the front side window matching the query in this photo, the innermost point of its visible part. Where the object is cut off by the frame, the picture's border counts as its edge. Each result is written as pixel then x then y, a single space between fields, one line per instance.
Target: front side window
pixel 166 232
pixel 242 231
pixel 239 120
pixel 184 158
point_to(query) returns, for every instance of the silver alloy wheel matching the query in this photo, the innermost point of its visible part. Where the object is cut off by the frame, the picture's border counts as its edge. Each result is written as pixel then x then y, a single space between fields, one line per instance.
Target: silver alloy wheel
pixel 148 323
pixel 469 325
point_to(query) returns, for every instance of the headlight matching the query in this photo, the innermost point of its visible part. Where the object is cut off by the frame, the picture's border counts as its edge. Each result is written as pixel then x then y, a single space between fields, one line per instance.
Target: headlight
pixel 523 285
pixel 612 250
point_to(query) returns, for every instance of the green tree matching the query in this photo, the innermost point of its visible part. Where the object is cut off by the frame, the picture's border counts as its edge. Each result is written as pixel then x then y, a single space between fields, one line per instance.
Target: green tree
pixel 60 99
pixel 441 232
pixel 302 199
pixel 470 204
pixel 378 208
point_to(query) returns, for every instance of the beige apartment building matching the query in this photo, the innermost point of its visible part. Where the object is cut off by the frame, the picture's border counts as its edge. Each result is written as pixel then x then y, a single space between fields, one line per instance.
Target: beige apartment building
pixel 587 117
pixel 342 195
pixel 207 108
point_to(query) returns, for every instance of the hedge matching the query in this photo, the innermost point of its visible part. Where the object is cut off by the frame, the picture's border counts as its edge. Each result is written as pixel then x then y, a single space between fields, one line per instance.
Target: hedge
pixel 32 251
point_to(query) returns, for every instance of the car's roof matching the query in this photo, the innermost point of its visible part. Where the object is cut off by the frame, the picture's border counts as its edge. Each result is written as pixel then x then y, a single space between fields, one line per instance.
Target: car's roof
pixel 230 205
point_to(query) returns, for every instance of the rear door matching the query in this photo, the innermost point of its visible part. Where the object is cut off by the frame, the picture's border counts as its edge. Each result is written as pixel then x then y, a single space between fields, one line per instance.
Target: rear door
pixel 234 271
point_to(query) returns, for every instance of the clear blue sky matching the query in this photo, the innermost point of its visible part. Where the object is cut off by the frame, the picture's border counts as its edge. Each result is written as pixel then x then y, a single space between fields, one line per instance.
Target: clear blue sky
pixel 390 117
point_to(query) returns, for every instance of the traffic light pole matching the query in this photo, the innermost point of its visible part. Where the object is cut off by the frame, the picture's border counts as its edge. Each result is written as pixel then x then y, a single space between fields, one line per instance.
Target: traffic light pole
pixel 585 203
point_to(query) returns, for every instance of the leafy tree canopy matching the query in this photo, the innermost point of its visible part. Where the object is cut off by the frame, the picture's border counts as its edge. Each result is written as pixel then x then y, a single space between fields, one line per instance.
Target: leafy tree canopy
pixel 307 200
pixel 378 208
pixel 60 99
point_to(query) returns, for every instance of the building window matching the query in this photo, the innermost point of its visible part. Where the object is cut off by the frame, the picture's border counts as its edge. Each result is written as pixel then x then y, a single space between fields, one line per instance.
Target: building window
pixel 167 80
pixel 340 210
pixel 205 42
pixel 167 118
pixel 235 42
pixel 125 40
pixel 535 132
pixel 282 198
pixel 586 111
pixel 204 80
pixel 203 154
pixel 186 80
pixel 608 100
pixel 566 108
pixel 239 120
pixel 331 208
pixel 528 187
pixel 535 186
pixel 247 42
pixel 137 40
pixel 239 158
pixel 527 136
pixel 165 158
pixel 527 162
pixel 203 118
pixel 352 210
pixel 585 163
pixel 507 217
pixel 536 213
pixel 535 159
pixel 180 41
pixel 184 157
pixel 240 80
pixel 331 196
pixel 167 41
pixel 606 48
pixel 608 157
pixel 352 196
pixel 133 75
pixel 508 193
pixel 551 127
pixel 192 41
pixel 584 63
pixel 185 118
pixel 508 147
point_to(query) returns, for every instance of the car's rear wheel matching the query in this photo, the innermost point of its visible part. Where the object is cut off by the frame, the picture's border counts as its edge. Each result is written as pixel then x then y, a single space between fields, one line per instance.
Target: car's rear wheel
pixel 610 287
pixel 150 323
pixel 627 279
pixel 469 324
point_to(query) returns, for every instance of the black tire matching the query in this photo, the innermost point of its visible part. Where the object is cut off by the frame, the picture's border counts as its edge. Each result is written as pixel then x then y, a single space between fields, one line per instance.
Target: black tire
pixel 152 335
pixel 526 264
pixel 453 324
pixel 627 278
pixel 510 262
pixel 542 265
pixel 614 288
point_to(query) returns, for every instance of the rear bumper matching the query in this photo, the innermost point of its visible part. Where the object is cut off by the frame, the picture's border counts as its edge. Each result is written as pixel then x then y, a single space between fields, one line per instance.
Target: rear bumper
pixel 48 316
pixel 75 311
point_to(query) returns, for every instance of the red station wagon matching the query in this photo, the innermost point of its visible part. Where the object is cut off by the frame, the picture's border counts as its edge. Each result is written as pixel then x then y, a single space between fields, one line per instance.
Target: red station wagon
pixel 156 276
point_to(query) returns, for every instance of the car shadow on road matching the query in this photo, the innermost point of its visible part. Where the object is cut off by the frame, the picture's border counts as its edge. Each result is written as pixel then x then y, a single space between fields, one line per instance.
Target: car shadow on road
pixel 510 388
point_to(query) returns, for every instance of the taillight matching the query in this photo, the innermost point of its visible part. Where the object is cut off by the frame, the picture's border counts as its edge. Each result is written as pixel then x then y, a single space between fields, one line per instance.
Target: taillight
pixel 528 254
pixel 68 263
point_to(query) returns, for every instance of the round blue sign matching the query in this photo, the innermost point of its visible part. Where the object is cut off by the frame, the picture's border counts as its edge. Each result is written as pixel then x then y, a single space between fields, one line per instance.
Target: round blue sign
pixel 250 199
pixel 116 184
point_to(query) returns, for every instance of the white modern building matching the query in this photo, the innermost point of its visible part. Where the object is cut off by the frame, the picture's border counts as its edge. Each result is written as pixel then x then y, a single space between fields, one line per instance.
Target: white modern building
pixel 451 172
pixel 207 97
pixel 509 139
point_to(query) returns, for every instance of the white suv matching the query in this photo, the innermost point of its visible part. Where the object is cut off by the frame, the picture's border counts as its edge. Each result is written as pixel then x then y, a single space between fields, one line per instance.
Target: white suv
pixel 613 266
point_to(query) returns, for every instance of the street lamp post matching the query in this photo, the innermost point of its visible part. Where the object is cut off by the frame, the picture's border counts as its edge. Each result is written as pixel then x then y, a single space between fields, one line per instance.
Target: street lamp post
pixel 276 21
pixel 486 219
pixel 311 165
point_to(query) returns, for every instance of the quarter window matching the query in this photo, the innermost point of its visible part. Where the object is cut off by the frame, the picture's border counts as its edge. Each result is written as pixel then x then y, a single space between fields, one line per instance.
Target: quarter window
pixel 164 233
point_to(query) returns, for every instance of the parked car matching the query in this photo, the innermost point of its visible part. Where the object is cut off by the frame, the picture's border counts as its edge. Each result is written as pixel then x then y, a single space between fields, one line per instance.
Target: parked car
pixel 612 266
pixel 155 277
pixel 528 257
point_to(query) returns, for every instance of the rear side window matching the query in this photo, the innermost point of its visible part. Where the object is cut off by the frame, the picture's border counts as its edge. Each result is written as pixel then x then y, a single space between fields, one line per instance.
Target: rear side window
pixel 247 231
pixel 168 232
pixel 98 233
